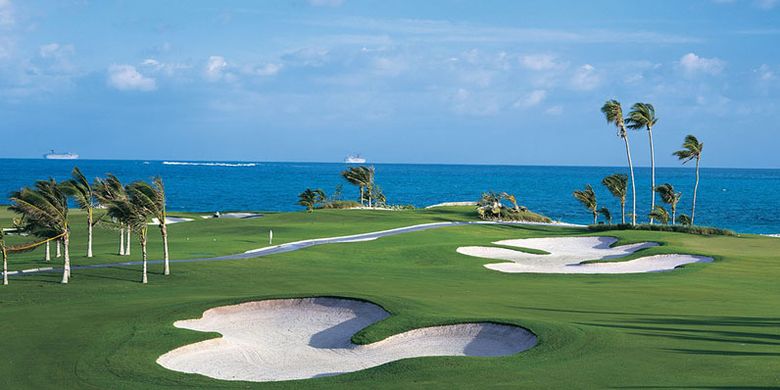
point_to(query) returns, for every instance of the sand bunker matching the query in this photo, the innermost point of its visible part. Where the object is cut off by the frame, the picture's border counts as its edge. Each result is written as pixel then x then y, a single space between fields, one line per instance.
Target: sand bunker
pixel 567 253
pixel 170 220
pixel 287 339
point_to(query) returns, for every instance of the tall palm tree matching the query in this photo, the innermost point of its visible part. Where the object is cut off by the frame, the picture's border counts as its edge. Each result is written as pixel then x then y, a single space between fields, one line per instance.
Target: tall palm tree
pixel 684 219
pixel 46 207
pixel 311 198
pixel 588 199
pixel 5 256
pixel 134 213
pixel 109 190
pixel 642 115
pixel 82 192
pixel 691 150
pixel 670 197
pixel 617 184
pixel 660 213
pixel 151 197
pixel 614 114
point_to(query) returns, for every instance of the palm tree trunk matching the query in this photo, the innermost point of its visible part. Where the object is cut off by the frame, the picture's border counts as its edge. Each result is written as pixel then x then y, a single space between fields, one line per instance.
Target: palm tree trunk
pixel 121 241
pixel 48 251
pixel 361 195
pixel 633 184
pixel 695 190
pixel 66 267
pixel 623 211
pixel 5 266
pixel 143 252
pixel 127 242
pixel 164 232
pixel 59 251
pixel 652 171
pixel 595 217
pixel 89 231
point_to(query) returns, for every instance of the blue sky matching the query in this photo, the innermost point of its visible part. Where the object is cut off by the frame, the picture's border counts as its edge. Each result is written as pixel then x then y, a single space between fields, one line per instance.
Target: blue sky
pixel 399 81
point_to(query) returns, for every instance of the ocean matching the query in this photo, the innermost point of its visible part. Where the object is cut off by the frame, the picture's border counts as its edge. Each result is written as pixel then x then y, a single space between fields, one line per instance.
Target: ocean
pixel 745 200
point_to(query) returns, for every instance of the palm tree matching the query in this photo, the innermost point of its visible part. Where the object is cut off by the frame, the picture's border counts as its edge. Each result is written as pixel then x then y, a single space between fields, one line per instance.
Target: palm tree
pixel 46 208
pixel 588 199
pixel 684 219
pixel 614 114
pixel 5 256
pixel 617 184
pixel 362 177
pixel 642 115
pixel 660 213
pixel 607 215
pixel 134 212
pixel 311 198
pixel 670 197
pixel 79 188
pixel 691 150
pixel 109 190
pixel 151 197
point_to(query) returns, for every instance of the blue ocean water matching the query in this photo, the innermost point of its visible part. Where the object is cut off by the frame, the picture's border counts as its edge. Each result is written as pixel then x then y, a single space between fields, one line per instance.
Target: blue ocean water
pixel 745 200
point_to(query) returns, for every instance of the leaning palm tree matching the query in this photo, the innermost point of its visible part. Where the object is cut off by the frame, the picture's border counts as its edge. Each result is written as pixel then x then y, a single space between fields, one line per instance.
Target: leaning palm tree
pixel 617 184
pixel 311 198
pixel 82 192
pixel 109 190
pixel 588 199
pixel 660 213
pixel 642 115
pixel 362 177
pixel 151 197
pixel 614 114
pixel 670 197
pixel 134 213
pixel 691 150
pixel 46 208
pixel 607 215
pixel 684 219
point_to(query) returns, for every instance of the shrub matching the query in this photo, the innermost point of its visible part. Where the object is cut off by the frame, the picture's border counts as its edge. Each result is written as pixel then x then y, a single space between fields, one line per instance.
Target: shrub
pixel 702 230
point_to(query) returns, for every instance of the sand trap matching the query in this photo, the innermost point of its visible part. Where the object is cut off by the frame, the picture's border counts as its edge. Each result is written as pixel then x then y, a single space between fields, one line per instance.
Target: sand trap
pixel 566 254
pixel 448 204
pixel 287 339
pixel 170 220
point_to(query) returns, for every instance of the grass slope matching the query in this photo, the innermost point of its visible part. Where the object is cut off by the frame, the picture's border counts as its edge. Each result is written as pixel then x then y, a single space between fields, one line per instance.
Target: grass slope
pixel 703 326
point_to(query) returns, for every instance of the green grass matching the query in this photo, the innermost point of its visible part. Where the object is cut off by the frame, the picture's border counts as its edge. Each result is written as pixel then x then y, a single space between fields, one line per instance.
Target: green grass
pixel 702 326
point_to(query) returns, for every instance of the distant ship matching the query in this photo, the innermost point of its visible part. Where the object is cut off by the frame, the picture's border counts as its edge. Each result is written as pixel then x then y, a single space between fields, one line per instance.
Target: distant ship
pixel 354 159
pixel 60 156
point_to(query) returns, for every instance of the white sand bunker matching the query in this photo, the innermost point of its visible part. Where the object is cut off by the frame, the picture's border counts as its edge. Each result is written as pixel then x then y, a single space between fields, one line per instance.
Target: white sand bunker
pixel 566 255
pixel 287 339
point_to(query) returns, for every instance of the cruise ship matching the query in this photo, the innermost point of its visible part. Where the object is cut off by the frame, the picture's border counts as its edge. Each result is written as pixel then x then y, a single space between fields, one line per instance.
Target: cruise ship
pixel 354 159
pixel 60 156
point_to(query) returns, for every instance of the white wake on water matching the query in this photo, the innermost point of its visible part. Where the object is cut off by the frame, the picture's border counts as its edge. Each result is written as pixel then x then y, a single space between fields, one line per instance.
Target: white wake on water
pixel 209 164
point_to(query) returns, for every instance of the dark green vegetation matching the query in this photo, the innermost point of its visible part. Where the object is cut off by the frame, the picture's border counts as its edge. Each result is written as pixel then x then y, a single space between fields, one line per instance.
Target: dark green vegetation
pixel 682 228
pixel 702 326
pixel 491 207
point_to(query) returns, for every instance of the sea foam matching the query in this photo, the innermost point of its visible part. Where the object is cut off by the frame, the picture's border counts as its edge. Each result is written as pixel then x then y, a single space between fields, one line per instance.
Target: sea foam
pixel 210 164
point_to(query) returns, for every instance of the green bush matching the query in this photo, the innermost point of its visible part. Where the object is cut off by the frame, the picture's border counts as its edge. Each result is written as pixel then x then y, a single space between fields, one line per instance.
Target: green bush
pixel 701 230
pixel 339 204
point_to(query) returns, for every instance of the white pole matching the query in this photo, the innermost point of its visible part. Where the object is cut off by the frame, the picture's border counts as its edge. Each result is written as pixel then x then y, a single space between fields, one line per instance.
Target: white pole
pixel 270 237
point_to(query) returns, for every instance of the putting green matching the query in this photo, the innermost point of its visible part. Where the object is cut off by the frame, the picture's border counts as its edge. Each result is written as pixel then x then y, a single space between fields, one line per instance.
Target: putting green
pixel 706 325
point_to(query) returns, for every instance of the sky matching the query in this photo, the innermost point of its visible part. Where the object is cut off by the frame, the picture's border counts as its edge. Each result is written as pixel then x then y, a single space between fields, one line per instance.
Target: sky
pixel 461 82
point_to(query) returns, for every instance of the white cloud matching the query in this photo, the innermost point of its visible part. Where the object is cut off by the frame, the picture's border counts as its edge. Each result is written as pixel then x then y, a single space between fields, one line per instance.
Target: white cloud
pixel 127 78
pixel 554 110
pixel 215 68
pixel 269 69
pixel 55 50
pixel 326 3
pixel 540 62
pixel 585 78
pixel 693 64
pixel 6 13
pixel 531 99
pixel 169 69
pixel 764 73
pixel 389 66
pixel 765 4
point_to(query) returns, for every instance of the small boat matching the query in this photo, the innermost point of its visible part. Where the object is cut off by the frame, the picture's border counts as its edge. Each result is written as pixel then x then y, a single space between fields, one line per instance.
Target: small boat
pixel 60 156
pixel 354 159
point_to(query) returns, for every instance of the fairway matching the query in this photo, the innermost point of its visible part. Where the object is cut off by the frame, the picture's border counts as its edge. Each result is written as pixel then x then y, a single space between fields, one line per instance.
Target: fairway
pixel 705 325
